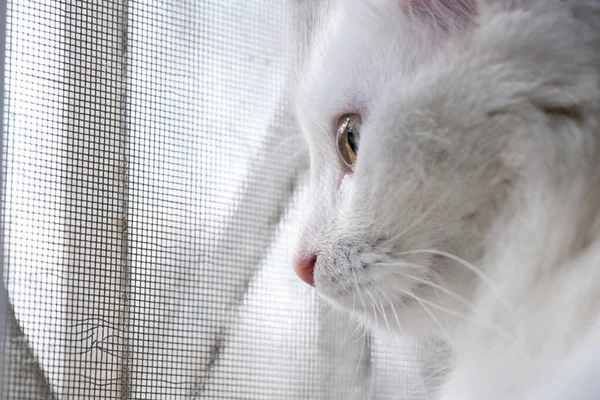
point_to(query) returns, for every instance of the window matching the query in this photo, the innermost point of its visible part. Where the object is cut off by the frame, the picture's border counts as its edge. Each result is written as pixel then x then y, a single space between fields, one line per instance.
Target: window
pixel 151 189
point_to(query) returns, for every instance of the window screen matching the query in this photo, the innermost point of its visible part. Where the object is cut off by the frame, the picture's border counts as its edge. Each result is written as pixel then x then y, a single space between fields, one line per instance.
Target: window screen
pixel 152 179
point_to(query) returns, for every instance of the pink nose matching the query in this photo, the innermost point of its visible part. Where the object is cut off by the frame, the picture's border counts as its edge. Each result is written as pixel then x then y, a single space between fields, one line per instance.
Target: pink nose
pixel 305 268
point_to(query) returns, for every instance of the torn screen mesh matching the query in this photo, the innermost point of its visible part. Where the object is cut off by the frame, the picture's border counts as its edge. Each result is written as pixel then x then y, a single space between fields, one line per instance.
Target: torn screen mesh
pixel 150 198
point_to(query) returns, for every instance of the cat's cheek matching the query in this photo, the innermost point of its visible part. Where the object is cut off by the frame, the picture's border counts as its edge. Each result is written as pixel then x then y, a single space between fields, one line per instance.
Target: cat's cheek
pixel 343 199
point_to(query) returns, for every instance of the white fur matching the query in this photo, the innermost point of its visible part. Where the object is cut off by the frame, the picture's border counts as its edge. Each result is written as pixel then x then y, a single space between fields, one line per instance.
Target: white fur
pixel 474 209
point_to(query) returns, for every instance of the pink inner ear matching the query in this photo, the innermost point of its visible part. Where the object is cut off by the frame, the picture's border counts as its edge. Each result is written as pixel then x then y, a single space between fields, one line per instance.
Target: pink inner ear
pixel 441 11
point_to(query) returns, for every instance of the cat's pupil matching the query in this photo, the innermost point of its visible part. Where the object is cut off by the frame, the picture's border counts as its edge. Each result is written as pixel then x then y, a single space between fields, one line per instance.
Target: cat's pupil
pixel 352 140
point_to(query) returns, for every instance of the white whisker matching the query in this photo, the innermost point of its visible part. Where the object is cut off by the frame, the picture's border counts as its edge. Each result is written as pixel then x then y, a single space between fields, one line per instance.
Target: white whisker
pixel 393 309
pixel 433 317
pixel 484 324
pixel 383 314
pixel 373 305
pixel 477 271
pixel 400 264
pixel 441 288
pixel 357 289
pixel 353 308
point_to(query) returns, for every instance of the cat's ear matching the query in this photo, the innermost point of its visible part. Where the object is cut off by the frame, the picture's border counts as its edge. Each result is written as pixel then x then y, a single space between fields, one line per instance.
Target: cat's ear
pixel 441 12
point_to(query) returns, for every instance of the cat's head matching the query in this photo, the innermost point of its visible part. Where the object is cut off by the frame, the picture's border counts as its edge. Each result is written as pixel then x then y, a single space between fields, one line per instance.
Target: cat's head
pixel 419 123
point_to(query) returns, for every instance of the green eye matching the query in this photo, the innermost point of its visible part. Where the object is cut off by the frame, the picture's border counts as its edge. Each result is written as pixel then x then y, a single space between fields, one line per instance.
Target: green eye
pixel 348 138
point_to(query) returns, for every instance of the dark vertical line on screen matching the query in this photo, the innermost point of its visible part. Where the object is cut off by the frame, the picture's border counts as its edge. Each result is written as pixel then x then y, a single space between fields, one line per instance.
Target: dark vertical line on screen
pixel 96 353
pixel 3 294
pixel 125 314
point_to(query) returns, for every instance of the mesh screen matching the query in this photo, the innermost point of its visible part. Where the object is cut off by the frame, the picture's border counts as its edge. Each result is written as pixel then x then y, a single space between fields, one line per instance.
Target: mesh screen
pixel 151 186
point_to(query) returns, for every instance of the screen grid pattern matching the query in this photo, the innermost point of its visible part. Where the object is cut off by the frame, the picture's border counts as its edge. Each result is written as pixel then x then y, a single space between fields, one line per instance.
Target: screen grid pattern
pixel 153 177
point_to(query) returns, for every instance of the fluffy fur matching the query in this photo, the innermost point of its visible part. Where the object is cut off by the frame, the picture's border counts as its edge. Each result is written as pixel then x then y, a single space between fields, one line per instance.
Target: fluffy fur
pixel 474 209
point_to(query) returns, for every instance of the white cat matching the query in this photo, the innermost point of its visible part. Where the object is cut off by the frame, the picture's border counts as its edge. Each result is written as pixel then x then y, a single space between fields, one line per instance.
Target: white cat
pixel 455 183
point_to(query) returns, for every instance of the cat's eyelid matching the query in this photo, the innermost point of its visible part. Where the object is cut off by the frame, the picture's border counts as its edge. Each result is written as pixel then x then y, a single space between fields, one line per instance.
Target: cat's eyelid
pixel 339 117
pixel 336 123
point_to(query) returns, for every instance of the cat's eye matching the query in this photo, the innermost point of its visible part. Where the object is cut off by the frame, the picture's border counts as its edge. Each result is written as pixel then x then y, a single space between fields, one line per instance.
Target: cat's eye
pixel 348 138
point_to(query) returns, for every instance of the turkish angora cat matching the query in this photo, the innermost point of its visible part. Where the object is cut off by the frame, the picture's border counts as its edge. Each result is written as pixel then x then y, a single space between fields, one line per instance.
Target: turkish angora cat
pixel 455 183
